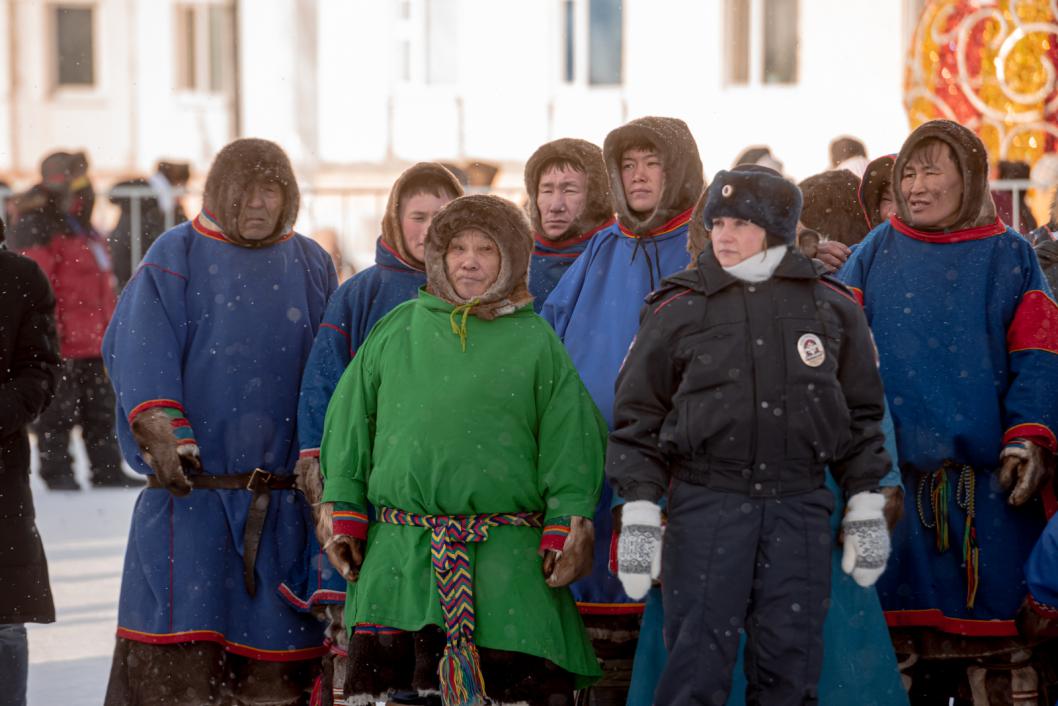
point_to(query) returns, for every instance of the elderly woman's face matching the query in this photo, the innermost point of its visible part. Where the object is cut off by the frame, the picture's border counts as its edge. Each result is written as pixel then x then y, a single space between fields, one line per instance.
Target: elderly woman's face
pixel 260 210
pixel 932 186
pixel 472 263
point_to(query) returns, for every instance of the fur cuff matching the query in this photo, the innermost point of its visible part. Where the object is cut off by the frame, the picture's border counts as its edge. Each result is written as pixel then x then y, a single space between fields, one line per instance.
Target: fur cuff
pixel 641 512
pixel 865 506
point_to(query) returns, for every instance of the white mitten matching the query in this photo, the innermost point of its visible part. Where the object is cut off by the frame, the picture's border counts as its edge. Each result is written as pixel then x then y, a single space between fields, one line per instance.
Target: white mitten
pixel 639 547
pixel 866 538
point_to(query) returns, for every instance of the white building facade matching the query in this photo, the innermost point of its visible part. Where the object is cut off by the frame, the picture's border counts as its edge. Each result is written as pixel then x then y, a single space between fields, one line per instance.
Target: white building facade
pixel 357 89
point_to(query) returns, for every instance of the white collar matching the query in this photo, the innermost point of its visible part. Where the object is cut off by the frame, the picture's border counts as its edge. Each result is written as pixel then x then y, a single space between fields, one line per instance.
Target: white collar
pixel 757 268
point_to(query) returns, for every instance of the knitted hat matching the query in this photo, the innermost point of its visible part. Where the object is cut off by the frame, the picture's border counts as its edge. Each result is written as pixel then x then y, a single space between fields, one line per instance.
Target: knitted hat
pixel 502 221
pixel 758 195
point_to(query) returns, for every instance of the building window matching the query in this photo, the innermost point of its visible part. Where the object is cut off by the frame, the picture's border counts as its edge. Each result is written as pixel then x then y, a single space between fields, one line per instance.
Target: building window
pixel 568 43
pixel 74 46
pixel 426 36
pixel 204 43
pixel 780 41
pixel 762 38
pixel 605 42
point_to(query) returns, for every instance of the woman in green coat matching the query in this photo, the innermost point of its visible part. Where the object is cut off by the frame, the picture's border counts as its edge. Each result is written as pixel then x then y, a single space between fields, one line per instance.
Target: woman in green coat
pixel 462 422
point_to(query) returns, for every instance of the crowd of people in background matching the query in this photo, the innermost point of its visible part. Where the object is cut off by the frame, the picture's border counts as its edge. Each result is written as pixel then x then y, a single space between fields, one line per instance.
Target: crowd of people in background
pixel 650 439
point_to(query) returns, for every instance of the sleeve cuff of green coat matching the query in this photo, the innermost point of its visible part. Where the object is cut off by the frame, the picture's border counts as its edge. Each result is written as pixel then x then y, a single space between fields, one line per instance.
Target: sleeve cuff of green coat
pixel 555 533
pixel 350 520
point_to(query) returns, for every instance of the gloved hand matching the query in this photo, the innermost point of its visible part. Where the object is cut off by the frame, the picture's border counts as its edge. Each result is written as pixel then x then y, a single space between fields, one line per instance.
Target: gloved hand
pixel 310 483
pixel 894 505
pixel 639 548
pixel 866 538
pixel 346 554
pixel 1030 464
pixel 562 568
pixel 168 456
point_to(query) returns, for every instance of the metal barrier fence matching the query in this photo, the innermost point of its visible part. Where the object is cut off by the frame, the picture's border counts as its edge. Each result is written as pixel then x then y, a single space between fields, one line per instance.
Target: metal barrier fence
pixel 353 213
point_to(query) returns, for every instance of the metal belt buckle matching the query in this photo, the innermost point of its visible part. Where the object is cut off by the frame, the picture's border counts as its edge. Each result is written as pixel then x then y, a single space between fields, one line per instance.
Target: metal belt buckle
pixel 258 473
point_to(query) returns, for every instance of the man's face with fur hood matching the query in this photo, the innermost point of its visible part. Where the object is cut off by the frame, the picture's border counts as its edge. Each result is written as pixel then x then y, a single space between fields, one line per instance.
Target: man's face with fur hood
pixel 932 186
pixel 472 263
pixel 561 197
pixel 260 210
pixel 643 179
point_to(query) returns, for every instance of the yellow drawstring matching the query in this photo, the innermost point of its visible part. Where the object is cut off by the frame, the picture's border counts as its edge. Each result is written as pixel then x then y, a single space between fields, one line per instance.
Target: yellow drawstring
pixel 460 329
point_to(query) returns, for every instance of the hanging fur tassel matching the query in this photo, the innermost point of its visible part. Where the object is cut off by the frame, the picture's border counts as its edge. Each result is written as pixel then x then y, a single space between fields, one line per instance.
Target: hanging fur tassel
pixel 460 672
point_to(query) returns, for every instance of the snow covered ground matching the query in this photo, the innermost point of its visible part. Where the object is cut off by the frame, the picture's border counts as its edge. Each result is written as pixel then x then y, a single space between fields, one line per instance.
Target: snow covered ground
pixel 84 537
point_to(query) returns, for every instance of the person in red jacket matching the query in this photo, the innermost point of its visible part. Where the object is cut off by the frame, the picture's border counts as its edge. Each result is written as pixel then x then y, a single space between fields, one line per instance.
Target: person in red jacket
pixel 54 229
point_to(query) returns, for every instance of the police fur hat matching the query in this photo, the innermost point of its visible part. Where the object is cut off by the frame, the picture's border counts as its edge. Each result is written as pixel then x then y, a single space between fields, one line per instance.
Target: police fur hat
pixel 588 157
pixel 235 169
pixel 502 221
pixel 425 175
pixel 832 206
pixel 971 158
pixel 684 177
pixel 876 179
pixel 756 194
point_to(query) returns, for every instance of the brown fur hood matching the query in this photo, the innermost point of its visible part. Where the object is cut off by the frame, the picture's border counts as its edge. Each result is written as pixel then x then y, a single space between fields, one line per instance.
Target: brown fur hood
pixel 697 233
pixel 502 221
pixel 234 170
pixel 684 177
pixel 832 206
pixel 876 178
pixel 977 207
pixel 599 206
pixel 392 235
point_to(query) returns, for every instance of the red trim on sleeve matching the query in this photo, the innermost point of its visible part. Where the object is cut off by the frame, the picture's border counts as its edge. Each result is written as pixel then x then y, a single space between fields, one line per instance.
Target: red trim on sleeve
pixel 1038 434
pixel 934 618
pixel 610 608
pixel 1047 611
pixel 856 292
pixel 1035 324
pixel 350 523
pixel 554 537
pixel 309 453
pixel 153 404
pixel 958 236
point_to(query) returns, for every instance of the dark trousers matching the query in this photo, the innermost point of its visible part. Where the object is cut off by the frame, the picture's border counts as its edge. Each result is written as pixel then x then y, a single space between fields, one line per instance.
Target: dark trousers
pixel 730 563
pixel 14 664
pixel 83 396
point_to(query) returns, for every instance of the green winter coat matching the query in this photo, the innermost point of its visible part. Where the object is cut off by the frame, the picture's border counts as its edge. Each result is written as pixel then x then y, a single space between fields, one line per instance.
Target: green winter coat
pixel 420 425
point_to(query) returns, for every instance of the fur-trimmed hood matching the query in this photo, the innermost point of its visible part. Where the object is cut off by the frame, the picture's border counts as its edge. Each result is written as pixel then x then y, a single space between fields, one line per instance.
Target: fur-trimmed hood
pixel 877 177
pixel 697 233
pixel 599 205
pixel 832 206
pixel 392 234
pixel 502 221
pixel 977 208
pixel 234 170
pixel 684 178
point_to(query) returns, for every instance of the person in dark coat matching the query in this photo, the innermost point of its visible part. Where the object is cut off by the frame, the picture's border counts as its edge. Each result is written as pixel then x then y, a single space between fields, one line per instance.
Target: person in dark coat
pixel 54 229
pixel 29 364
pixel 750 374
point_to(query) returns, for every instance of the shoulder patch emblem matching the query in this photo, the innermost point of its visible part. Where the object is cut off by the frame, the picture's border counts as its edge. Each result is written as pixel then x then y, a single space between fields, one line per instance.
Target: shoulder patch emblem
pixel 811 350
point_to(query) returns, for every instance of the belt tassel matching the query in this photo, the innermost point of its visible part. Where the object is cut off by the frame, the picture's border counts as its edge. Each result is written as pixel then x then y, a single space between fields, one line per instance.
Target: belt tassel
pixel 939 501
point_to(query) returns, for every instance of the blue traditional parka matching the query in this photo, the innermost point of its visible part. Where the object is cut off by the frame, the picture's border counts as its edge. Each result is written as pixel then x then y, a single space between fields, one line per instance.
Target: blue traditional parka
pixel 595 307
pixel 552 259
pixel 218 333
pixel 351 314
pixel 967 334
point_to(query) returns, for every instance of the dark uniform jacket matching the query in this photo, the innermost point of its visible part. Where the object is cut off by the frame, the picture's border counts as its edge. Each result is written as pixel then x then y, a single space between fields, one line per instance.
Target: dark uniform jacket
pixel 29 360
pixel 748 388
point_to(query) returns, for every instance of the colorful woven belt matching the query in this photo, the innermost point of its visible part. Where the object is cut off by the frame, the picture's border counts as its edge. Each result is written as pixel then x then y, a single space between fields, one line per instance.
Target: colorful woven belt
pixel 460 667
